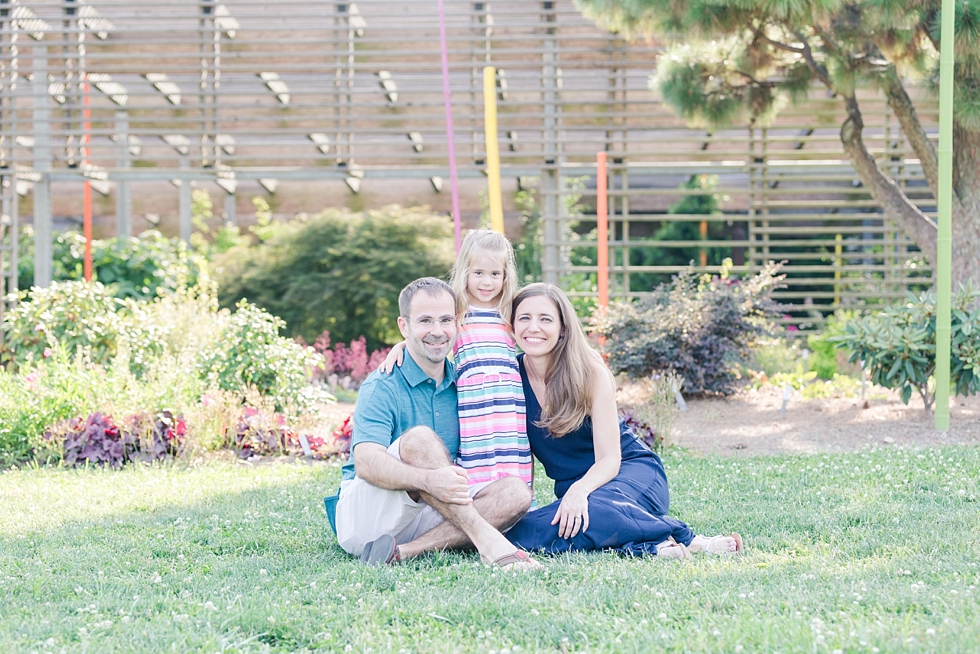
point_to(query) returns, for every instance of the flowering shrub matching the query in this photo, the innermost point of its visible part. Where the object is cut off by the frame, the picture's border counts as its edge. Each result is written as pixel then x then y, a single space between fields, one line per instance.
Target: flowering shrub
pixel 74 314
pixel 643 430
pixel 158 436
pixel 98 440
pixel 342 435
pixel 261 433
pixel 79 316
pixel 698 327
pixel 346 366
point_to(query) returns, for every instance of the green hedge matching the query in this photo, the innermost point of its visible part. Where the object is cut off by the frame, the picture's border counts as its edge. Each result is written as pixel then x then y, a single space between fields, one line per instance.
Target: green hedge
pixel 338 270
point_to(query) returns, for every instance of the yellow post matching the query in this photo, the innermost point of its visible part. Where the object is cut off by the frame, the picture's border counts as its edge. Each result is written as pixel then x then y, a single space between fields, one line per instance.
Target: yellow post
pixel 493 150
pixel 838 262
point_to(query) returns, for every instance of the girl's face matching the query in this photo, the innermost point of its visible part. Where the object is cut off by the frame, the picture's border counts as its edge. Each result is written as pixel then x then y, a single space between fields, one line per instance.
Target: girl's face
pixel 485 280
pixel 537 325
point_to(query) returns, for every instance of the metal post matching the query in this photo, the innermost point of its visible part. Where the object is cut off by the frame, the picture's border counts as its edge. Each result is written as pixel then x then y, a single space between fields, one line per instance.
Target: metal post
pixel 184 201
pixel 206 85
pixel 944 243
pixel 43 255
pixel 124 202
pixel 231 210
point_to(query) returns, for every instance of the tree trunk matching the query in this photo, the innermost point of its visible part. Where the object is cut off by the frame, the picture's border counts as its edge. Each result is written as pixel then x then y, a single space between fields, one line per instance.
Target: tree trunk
pixel 896 205
pixel 966 207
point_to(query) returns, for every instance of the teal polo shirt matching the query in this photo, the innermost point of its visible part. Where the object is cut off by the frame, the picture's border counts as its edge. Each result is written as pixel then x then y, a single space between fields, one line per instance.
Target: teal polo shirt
pixel 389 405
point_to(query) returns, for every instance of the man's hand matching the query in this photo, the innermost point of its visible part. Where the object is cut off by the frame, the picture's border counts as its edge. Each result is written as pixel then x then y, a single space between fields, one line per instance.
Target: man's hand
pixel 448 485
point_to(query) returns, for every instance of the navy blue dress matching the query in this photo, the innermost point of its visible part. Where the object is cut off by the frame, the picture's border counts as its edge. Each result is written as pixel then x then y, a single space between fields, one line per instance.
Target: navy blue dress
pixel 628 514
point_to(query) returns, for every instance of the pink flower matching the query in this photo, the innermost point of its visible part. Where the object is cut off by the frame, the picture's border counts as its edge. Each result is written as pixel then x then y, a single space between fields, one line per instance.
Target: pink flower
pixel 207 400
pixel 47 352
pixel 39 327
pixel 31 380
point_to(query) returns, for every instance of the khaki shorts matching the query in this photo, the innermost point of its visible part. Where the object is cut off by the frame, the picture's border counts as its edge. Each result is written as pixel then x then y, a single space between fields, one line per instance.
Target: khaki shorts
pixel 366 512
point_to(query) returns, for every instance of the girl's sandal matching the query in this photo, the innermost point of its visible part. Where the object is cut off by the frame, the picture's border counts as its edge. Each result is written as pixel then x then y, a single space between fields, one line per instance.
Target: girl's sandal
pixel 508 561
pixel 738 545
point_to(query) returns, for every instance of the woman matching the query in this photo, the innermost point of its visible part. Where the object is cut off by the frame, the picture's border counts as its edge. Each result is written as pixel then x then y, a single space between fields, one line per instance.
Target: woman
pixel 612 490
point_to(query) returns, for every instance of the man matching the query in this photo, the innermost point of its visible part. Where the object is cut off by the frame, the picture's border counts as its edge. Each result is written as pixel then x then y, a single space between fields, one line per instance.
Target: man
pixel 401 495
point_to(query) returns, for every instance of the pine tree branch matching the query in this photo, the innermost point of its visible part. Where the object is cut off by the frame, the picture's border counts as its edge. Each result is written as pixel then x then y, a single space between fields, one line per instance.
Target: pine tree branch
pixel 897 206
pixel 819 69
pixel 776 44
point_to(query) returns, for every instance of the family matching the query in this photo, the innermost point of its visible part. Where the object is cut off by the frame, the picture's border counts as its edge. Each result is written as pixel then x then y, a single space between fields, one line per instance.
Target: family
pixel 441 453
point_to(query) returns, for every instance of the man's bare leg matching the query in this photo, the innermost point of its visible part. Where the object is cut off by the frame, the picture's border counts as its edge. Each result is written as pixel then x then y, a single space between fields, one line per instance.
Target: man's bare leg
pixel 504 502
pixel 501 504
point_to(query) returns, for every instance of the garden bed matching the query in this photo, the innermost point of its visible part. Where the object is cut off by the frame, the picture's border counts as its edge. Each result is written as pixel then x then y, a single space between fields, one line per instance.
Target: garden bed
pixel 749 423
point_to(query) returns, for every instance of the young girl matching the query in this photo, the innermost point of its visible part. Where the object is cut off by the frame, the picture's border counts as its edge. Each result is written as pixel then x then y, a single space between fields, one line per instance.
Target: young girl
pixel 493 433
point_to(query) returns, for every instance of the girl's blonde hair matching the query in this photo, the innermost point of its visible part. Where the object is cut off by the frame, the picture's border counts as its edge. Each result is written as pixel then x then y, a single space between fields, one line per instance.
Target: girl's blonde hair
pixel 484 241
pixel 568 399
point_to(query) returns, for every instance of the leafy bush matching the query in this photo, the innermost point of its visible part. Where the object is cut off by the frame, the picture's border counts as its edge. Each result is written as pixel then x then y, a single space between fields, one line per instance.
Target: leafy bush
pixel 37 398
pixel 77 316
pixel 140 267
pixel 338 270
pixel 193 347
pixel 827 359
pixel 898 345
pixel 771 356
pixel 683 230
pixel 72 314
pixel 251 353
pixel 697 327
pixel 98 440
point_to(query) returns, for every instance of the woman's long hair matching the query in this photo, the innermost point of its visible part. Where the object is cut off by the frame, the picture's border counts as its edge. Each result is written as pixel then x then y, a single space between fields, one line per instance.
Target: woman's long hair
pixel 484 241
pixel 568 399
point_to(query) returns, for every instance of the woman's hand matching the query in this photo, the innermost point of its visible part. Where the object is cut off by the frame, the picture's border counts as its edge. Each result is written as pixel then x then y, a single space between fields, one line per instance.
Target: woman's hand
pixel 393 359
pixel 573 512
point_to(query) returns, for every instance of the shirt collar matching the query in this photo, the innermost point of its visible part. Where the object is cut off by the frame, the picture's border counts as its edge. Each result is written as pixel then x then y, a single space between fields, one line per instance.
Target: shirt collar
pixel 414 375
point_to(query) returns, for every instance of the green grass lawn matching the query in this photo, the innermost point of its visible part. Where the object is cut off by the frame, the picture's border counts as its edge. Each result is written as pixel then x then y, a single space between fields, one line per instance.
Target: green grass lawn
pixel 866 552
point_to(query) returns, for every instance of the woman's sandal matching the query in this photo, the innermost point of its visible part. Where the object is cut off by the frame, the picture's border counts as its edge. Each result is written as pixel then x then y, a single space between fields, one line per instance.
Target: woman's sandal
pixel 508 561
pixel 738 545
pixel 671 549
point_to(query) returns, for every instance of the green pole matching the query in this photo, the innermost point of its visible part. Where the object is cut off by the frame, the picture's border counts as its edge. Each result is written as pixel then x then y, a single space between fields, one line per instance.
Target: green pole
pixel 944 242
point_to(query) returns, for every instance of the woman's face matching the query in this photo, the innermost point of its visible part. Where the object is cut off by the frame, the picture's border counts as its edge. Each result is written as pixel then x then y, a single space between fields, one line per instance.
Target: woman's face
pixel 537 325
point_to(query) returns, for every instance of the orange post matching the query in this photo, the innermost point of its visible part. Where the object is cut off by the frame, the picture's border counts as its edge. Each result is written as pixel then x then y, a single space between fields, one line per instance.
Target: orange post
pixel 602 218
pixel 87 193
pixel 703 254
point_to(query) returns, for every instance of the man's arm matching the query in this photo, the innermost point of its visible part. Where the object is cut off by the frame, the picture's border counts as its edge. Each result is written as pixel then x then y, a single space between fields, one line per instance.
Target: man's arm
pixel 447 484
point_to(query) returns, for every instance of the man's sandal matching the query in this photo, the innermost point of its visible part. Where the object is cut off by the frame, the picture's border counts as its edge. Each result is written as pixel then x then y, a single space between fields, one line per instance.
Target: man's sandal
pixel 735 537
pixel 508 561
pixel 382 551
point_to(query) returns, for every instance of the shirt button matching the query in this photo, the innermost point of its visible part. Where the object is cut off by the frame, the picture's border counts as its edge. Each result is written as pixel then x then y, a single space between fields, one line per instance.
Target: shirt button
pixel 437 414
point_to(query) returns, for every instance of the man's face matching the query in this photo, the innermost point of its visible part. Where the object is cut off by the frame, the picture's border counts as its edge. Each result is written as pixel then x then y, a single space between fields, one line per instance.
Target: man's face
pixel 430 328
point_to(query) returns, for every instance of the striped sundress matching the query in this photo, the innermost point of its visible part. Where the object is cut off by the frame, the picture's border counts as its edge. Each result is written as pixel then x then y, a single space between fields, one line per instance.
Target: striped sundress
pixel 492 429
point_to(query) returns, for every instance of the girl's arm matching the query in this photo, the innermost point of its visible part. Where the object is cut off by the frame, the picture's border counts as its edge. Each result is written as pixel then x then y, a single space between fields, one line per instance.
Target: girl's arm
pixel 394 358
pixel 573 513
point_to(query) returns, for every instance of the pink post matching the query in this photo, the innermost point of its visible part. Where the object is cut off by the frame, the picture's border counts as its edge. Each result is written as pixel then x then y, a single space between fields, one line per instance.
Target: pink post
pixel 453 182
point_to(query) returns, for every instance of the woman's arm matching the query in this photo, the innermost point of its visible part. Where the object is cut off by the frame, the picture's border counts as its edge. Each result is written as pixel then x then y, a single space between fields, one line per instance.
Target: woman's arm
pixel 573 512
